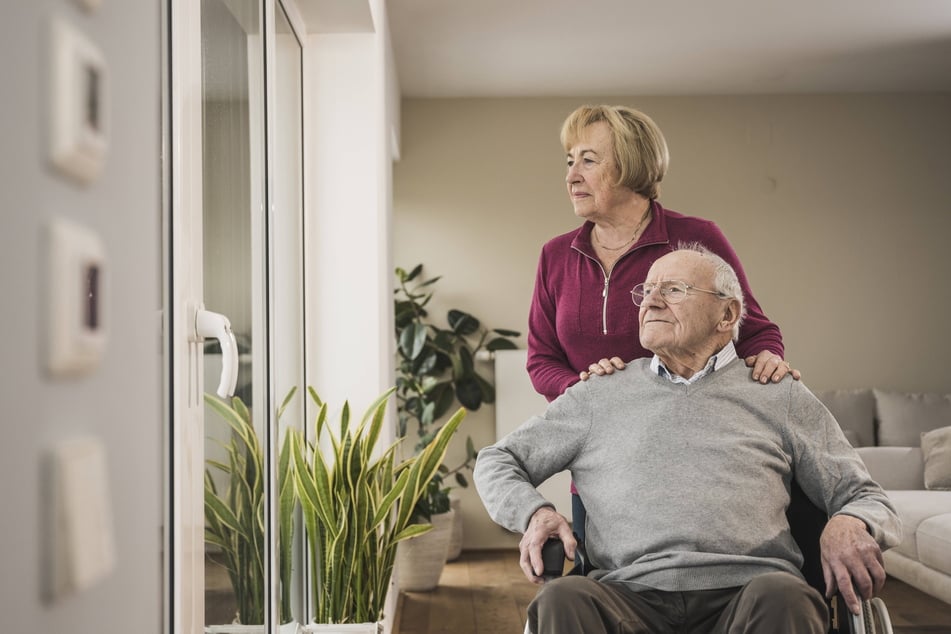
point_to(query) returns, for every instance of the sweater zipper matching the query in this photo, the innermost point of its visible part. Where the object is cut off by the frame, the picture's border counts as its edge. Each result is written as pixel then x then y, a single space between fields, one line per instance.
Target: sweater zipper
pixel 604 291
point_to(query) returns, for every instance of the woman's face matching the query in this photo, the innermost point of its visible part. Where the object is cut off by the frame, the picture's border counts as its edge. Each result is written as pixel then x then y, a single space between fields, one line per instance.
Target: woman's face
pixel 592 174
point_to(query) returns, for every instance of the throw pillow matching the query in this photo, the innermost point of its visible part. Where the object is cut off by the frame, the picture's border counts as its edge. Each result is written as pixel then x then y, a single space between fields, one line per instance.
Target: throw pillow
pixel 855 412
pixel 936 447
pixel 903 416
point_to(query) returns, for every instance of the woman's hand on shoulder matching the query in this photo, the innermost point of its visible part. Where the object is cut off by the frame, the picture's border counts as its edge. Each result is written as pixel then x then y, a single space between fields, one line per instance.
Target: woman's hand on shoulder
pixel 769 366
pixel 602 367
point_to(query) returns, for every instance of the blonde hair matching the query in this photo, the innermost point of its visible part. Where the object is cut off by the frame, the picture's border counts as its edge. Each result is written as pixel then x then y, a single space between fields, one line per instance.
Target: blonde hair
pixel 640 150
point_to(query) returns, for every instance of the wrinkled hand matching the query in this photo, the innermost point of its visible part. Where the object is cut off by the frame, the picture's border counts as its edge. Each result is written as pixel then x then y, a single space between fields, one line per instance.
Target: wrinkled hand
pixel 545 523
pixel 602 367
pixel 770 366
pixel 851 561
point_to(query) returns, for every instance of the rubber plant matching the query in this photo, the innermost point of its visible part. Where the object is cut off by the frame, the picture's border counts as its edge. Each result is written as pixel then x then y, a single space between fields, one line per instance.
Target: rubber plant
pixel 234 519
pixel 435 368
pixel 357 502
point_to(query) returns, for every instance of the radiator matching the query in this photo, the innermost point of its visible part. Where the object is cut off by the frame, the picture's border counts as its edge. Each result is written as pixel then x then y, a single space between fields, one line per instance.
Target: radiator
pixel 515 402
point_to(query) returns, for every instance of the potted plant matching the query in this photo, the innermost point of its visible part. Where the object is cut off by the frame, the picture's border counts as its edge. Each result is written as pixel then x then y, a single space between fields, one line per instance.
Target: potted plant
pixel 435 368
pixel 357 503
pixel 234 518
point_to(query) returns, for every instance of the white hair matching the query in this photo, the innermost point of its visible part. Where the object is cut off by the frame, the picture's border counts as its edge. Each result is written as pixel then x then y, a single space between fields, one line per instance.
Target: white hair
pixel 725 280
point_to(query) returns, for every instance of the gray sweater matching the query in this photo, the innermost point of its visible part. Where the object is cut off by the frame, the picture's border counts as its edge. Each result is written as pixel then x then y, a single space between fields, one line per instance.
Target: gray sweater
pixel 686 487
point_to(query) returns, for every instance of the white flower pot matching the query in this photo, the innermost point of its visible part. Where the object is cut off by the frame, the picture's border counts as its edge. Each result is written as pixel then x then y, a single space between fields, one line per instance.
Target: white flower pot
pixel 343 628
pixel 420 560
pixel 455 536
pixel 235 628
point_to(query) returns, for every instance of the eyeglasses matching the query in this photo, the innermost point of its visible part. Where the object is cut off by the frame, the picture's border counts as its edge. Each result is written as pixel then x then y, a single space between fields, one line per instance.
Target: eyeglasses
pixel 671 291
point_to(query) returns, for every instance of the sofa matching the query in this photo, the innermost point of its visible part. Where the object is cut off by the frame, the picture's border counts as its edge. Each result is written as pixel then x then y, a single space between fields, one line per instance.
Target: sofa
pixel 905 441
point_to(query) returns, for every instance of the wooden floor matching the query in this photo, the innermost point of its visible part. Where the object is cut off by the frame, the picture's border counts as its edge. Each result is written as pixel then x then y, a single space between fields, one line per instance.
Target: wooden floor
pixel 484 592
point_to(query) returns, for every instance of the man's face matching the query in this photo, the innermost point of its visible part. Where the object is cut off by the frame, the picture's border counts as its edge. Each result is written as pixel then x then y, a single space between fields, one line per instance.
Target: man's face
pixel 690 326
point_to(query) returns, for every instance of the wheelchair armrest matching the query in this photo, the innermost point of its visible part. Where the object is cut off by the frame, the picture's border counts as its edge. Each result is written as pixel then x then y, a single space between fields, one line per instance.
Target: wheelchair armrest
pixel 553 557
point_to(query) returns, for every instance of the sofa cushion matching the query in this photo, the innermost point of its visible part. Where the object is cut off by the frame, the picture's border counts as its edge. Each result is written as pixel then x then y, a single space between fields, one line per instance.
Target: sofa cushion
pixel 936 449
pixel 934 543
pixel 894 468
pixel 914 507
pixel 855 411
pixel 903 417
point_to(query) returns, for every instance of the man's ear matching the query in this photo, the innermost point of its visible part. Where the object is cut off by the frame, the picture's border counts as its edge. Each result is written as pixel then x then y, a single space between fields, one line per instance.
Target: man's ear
pixel 731 314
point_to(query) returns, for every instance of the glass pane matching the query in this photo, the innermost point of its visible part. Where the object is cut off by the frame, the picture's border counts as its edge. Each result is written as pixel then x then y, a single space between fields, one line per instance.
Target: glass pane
pixel 288 284
pixel 233 190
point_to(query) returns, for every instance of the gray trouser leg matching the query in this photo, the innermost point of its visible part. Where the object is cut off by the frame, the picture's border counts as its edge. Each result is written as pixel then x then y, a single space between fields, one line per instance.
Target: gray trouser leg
pixel 575 605
pixel 775 603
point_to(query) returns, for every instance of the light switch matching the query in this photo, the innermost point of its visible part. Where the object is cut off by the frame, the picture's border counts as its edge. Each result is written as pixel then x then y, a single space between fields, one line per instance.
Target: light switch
pixel 78 288
pixel 82 548
pixel 78 103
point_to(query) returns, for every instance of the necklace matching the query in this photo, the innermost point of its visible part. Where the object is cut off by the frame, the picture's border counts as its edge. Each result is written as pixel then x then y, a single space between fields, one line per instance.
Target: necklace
pixel 633 237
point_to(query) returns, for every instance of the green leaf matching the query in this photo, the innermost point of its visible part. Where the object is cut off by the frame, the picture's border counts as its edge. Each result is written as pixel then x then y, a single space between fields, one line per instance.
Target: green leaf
pixel 486 388
pixel 462 323
pixel 466 364
pixel 414 273
pixel 500 344
pixel 506 333
pixel 413 340
pixel 469 393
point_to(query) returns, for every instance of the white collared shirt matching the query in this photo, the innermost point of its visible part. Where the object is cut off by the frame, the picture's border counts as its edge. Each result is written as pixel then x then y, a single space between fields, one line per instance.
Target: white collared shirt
pixel 714 363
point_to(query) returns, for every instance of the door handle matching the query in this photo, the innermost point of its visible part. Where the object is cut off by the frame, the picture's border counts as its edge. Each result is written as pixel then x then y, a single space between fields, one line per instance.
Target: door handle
pixel 217 326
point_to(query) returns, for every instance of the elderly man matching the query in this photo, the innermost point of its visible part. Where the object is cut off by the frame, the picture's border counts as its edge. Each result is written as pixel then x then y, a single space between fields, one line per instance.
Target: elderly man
pixel 685 464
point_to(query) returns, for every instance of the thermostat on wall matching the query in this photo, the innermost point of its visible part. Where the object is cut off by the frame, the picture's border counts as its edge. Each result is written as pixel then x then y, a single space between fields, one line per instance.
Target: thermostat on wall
pixel 79 103
pixel 76 316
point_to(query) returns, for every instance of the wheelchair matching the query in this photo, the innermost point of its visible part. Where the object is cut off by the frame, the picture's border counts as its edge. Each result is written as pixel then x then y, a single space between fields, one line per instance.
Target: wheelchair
pixel 806 522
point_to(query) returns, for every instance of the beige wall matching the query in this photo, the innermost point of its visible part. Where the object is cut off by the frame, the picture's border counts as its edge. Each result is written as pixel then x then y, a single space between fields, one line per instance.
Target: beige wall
pixel 836 205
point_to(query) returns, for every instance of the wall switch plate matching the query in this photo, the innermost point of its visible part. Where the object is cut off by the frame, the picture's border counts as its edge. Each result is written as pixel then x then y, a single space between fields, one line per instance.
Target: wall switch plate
pixel 78 103
pixel 82 547
pixel 77 314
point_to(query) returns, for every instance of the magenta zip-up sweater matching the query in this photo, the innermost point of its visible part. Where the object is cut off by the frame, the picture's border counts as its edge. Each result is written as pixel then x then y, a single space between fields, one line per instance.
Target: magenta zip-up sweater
pixel 579 315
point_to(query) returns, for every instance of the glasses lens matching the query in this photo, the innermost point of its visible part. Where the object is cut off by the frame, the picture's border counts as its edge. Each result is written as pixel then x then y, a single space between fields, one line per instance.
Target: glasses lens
pixel 638 293
pixel 674 292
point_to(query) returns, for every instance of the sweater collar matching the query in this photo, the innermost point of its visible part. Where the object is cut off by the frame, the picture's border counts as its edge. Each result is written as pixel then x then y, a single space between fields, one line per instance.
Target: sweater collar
pixel 655 233
pixel 714 363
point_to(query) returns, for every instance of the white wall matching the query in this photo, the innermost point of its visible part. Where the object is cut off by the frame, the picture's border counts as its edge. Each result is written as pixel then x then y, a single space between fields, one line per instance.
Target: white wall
pixel 120 404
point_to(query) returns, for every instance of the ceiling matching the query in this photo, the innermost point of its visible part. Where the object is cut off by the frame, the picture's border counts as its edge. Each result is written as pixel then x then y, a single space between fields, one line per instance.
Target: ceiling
pixel 550 48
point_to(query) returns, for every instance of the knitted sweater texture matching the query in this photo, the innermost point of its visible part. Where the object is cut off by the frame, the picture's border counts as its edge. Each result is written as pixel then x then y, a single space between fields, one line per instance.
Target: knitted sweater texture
pixel 686 486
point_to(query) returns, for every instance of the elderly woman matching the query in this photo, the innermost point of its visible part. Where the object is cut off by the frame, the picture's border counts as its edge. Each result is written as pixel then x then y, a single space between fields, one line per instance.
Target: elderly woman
pixel 582 320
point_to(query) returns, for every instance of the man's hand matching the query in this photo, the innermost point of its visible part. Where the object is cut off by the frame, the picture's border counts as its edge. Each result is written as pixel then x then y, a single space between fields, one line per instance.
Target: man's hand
pixel 851 561
pixel 545 523
pixel 602 367
pixel 768 366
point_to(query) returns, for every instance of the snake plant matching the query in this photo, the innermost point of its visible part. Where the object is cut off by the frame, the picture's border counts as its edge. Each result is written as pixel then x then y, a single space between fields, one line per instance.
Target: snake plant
pixel 234 519
pixel 357 504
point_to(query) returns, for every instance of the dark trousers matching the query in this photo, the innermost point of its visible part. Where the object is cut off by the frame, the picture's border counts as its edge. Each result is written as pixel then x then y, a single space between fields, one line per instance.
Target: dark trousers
pixel 772 603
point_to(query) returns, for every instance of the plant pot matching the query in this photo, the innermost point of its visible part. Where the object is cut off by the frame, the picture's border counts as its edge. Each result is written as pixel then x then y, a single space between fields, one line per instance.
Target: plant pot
pixel 420 560
pixel 455 536
pixel 343 628
pixel 236 628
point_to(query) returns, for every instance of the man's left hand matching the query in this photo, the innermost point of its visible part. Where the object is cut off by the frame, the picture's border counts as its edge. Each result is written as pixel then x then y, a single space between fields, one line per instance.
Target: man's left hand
pixel 769 366
pixel 851 561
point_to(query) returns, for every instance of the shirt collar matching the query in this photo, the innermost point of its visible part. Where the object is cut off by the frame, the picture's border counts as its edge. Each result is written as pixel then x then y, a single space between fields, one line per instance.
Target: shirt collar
pixel 714 363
